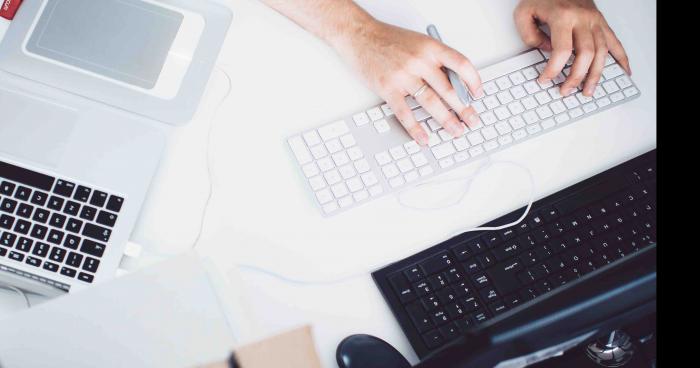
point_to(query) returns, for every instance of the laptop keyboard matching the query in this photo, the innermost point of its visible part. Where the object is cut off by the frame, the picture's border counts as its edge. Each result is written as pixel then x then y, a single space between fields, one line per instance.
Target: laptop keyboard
pixel 440 293
pixel 54 224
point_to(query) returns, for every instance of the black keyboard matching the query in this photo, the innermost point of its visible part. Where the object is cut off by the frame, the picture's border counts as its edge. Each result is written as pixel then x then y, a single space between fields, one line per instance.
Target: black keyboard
pixel 54 224
pixel 441 292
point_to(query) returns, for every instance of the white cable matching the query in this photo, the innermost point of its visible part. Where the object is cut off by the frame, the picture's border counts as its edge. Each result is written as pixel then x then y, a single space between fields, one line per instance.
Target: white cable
pixel 19 292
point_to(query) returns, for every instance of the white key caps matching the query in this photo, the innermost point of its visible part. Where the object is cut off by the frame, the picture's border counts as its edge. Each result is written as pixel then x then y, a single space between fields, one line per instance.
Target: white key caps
pixel 534 129
pixel 412 147
pixel 390 171
pixel 325 164
pixel 505 140
pixel 347 171
pixel 505 97
pixel 434 125
pixel 345 201
pixel 546 84
pixel 382 126
pixel 324 196
pixel 603 102
pixel 548 124
pixel 375 114
pixel 624 82
pixel 599 92
pixel 310 169
pixel 411 102
pixel 554 93
pixel 405 165
pixel 461 143
pixel 419 159
pixel 382 158
pixel 361 119
pixel 355 185
pixel 589 107
pixel 369 179
pixel 333 130
pixel 446 162
pixel 332 177
pixel 490 88
pixel 339 190
pixel 571 102
pixel 461 157
pixel 529 102
pixel 518 92
pixel 330 207
pixel 412 176
pixel 617 96
pixel 445 135
pixel 361 195
pixel 491 102
pixel 443 150
pixel 502 113
pixel 543 97
pixel 583 99
pixel 557 107
pixel 519 134
pixel 490 145
pixel 420 114
pixel 312 138
pixel 355 153
pixel 347 140
pixel 503 127
pixel 376 190
pixel 530 73
pixel 544 112
pixel 317 183
pixel 576 113
pixel 488 118
pixel 433 140
pixel 609 60
pixel 532 87
pixel 475 138
pixel 340 158
pixel 397 182
pixel 612 71
pixel 629 92
pixel 489 133
pixel 476 151
pixel 319 151
pixel 397 152
pixel 479 107
pixel 530 117
pixel 611 87
pixel 386 109
pixel 517 122
pixel 516 108
pixel 517 78
pixel 362 166
pixel 562 118
pixel 425 170
pixel 300 151
pixel 503 83
pixel 334 145
pixel 559 79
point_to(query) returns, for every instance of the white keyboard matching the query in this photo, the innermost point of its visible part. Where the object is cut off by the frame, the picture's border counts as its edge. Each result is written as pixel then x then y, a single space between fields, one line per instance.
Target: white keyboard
pixel 365 156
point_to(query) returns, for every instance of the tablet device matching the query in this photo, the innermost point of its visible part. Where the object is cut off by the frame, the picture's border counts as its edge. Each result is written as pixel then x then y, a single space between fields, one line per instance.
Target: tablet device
pixel 140 44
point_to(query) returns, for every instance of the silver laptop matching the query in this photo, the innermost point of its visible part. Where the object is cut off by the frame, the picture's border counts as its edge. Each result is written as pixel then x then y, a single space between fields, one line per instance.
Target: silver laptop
pixel 88 92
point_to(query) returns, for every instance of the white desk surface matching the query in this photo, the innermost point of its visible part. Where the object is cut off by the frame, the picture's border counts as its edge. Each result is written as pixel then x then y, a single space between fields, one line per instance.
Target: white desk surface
pixel 284 81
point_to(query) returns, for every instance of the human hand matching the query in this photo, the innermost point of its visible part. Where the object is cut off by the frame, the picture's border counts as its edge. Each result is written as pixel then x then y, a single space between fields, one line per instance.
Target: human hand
pixel 575 25
pixel 396 63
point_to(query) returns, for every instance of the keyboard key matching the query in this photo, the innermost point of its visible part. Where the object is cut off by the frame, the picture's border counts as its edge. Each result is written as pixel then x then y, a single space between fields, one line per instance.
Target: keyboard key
pixel 24 210
pixel 23 193
pixel 98 199
pixel 115 203
pixel 88 213
pixel 39 198
pixel 64 188
pixel 57 254
pixel 55 236
pixel 74 225
pixel 71 208
pixel 8 205
pixel 39 231
pixel 82 194
pixel 436 264
pixel 449 331
pixel 41 249
pixel 69 272
pixel 50 266
pixel 91 264
pixel 19 257
pixel 382 126
pixel 55 203
pixel 24 244
pixel 57 220
pixel 85 277
pixel 97 232
pixel 419 318
pixel 41 216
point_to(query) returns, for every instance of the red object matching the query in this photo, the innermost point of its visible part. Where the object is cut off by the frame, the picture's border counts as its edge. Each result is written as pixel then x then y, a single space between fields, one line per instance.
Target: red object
pixel 8 9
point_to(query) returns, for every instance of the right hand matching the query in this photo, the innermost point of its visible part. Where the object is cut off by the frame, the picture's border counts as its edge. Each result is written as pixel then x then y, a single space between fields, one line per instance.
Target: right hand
pixel 396 63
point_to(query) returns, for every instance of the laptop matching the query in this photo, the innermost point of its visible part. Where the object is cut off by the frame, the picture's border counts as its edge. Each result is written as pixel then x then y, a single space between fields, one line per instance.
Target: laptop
pixel 89 90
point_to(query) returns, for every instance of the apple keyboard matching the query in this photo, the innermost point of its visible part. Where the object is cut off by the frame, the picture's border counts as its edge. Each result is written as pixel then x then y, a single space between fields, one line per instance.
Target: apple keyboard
pixel 367 155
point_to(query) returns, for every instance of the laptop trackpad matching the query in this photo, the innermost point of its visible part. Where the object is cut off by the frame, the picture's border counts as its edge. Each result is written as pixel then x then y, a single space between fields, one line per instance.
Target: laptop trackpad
pixel 34 129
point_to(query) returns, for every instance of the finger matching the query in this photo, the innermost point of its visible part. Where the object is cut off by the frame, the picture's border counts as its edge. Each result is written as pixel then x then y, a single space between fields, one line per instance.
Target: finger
pixel 405 115
pixel 562 46
pixel 530 31
pixel 441 84
pixel 596 69
pixel 459 63
pixel 617 50
pixel 585 52
pixel 433 105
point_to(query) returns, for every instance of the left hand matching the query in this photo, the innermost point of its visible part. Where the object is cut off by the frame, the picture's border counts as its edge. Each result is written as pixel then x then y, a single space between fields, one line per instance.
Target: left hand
pixel 576 25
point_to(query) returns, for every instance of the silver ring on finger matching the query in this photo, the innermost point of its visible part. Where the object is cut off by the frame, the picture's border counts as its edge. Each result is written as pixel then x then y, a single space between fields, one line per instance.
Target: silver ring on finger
pixel 420 91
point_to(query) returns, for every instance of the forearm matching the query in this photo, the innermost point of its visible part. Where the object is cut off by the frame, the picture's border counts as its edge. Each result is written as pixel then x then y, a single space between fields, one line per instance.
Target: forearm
pixel 333 21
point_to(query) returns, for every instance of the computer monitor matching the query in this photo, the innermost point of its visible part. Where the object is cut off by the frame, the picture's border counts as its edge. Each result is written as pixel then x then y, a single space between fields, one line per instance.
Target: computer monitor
pixel 602 301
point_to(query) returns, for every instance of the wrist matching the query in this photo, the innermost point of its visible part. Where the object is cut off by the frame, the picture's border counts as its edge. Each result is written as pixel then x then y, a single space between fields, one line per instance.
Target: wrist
pixel 348 30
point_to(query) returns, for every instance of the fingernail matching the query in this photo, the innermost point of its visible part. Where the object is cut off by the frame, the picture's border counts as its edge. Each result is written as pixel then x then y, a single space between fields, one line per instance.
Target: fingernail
pixel 543 80
pixel 422 139
pixel 589 91
pixel 567 91
pixel 480 92
pixel 474 120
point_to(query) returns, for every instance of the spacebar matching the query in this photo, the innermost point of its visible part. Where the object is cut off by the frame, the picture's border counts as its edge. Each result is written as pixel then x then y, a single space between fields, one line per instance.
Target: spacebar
pixel 511 65
pixel 26 177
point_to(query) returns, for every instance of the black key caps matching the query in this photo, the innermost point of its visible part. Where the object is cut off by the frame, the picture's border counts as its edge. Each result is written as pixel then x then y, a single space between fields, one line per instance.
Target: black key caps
pixel 98 198
pixel 6 221
pixel 88 213
pixel 22 227
pixel 504 276
pixel 98 232
pixel 429 267
pixel 55 236
pixel 91 265
pixel 82 194
pixel 419 317
pixel 6 187
pixel 64 188
pixel 26 177
pixel 398 281
pixel 65 271
pixel 115 203
pixel 85 277
pixel 50 266
pixel 39 231
pixel 41 249
pixel 71 208
pixel 25 210
pixel 8 239
pixel 71 242
pixel 74 225
pixel 96 249
pixel 41 215
pixel 74 259
pixel 433 339
pixel 57 254
pixel 19 257
pixel 24 244
pixel 23 193
pixel 39 198
pixel 8 205
pixel 36 262
pixel 55 203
